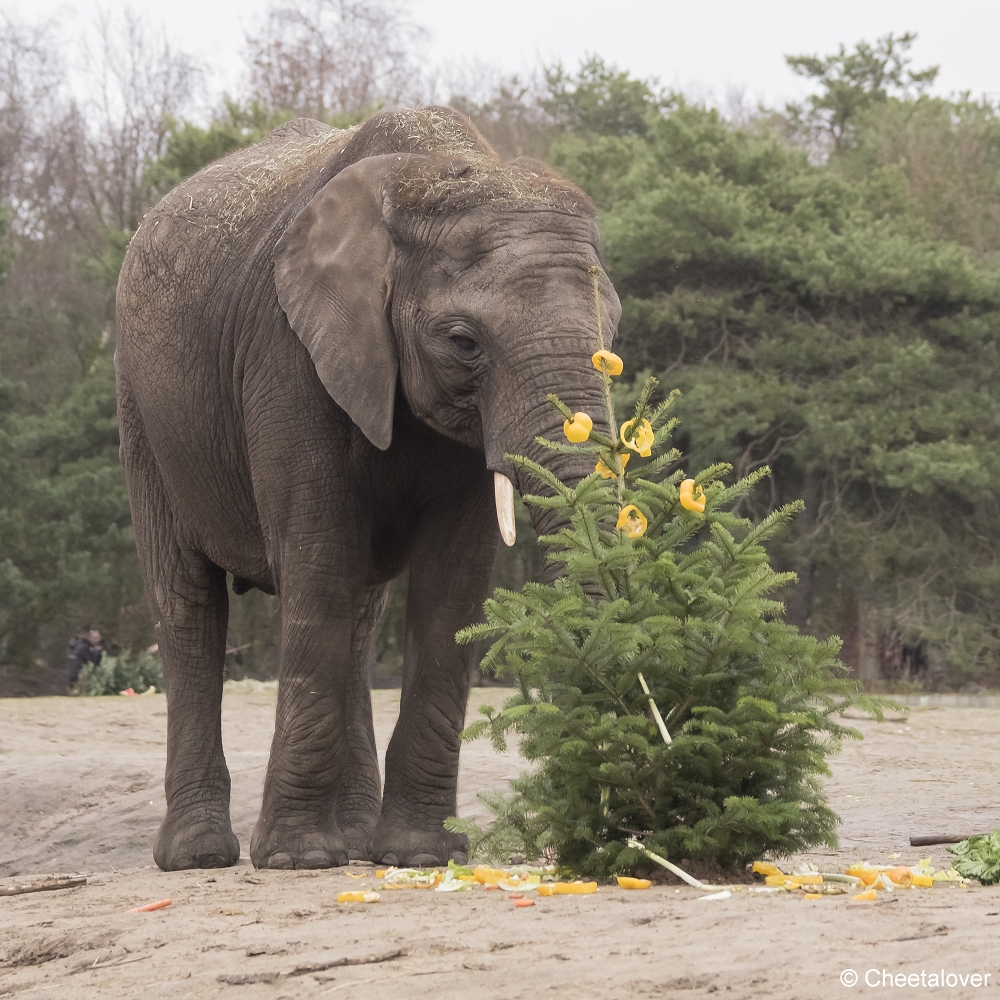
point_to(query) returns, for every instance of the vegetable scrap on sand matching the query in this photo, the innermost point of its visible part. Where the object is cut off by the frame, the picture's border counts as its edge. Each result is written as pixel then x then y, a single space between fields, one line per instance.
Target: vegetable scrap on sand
pixel 861 881
pixel 516 881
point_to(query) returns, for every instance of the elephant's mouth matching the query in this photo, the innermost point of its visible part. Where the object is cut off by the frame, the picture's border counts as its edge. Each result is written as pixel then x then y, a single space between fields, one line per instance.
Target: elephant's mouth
pixel 503 489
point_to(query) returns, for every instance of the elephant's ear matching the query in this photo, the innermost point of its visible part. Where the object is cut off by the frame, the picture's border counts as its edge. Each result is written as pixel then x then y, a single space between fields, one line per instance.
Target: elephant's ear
pixel 331 271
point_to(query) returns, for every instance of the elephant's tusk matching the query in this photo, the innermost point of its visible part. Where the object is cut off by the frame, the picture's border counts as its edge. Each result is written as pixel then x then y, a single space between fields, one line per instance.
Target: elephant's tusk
pixel 504 490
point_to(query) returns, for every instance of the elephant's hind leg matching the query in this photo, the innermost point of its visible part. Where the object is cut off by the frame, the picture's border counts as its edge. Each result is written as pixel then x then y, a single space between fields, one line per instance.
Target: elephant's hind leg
pixel 188 597
pixel 196 831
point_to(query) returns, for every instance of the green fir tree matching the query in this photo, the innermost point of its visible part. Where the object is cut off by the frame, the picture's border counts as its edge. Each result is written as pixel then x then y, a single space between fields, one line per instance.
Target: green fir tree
pixel 660 693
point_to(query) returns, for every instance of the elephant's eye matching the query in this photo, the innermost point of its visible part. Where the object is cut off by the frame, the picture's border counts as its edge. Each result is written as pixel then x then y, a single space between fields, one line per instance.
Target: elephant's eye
pixel 464 345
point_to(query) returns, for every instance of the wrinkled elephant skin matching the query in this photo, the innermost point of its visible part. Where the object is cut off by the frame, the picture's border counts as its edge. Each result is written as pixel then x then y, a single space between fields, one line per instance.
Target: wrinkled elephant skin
pixel 328 342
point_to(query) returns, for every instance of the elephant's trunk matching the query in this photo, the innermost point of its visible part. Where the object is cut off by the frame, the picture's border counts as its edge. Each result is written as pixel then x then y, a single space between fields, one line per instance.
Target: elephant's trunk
pixel 579 386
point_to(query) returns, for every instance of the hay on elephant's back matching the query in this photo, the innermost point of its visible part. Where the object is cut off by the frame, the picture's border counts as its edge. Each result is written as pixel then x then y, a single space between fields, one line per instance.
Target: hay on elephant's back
pixel 282 160
pixel 462 170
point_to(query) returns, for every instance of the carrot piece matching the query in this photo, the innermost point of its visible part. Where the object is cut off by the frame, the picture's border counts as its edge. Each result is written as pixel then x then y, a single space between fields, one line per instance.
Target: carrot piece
pixel 149 907
pixel 524 902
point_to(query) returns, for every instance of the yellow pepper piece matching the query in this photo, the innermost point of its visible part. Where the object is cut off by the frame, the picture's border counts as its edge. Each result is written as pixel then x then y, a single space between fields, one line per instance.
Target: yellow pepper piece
pixel 633 883
pixel 484 874
pixel 688 500
pixel 778 879
pixel 605 473
pixel 545 890
pixel 901 876
pixel 578 429
pixel 924 881
pixel 808 879
pixel 641 440
pixel 870 894
pixel 633 521
pixel 814 895
pixel 766 868
pixel 573 888
pixel 357 896
pixel 605 361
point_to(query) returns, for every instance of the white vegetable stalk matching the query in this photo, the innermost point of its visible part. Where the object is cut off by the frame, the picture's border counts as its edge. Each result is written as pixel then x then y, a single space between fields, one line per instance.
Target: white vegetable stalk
pixel 679 872
pixel 656 712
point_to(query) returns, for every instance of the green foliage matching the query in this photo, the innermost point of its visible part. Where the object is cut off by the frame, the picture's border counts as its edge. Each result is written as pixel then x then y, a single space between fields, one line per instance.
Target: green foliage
pixel 115 674
pixel 65 535
pixel 687 603
pixel 817 323
pixel 979 858
pixel 513 830
pixel 600 99
pixel 852 82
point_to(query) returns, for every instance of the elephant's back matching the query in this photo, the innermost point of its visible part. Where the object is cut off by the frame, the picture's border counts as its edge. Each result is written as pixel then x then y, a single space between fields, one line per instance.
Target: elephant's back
pixel 210 226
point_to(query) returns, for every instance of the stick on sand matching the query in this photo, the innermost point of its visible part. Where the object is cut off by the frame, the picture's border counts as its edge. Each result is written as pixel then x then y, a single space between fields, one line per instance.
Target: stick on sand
pixel 49 883
pixel 940 838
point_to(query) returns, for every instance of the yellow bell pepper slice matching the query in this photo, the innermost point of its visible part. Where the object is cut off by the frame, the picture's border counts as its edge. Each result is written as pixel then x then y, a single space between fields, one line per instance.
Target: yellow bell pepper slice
pixel 573 888
pixel 633 521
pixel 640 440
pixel 484 874
pixel 606 361
pixel 766 868
pixel 357 896
pixel 633 883
pixel 605 473
pixel 688 500
pixel 901 876
pixel 578 429
pixel 866 896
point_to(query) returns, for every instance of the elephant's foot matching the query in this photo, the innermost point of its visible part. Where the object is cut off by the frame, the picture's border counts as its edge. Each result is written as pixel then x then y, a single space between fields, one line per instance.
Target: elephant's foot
pixel 357 839
pixel 357 816
pixel 288 845
pixel 402 847
pixel 182 843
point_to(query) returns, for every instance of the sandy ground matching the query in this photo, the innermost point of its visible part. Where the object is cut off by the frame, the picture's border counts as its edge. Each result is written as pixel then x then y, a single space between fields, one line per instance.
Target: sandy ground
pixel 80 792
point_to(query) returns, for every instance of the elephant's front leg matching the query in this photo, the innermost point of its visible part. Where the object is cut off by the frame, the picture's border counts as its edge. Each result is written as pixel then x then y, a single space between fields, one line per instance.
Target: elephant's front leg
pixel 449 579
pixel 322 789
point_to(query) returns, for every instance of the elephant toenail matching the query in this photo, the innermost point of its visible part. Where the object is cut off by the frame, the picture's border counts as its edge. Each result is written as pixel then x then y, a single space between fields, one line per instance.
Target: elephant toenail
pixel 460 857
pixel 315 859
pixel 211 861
pixel 280 860
pixel 391 860
pixel 424 861
pixel 353 855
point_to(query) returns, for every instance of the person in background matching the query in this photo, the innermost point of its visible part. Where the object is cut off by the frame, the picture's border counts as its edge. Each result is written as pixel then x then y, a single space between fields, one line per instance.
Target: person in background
pixel 87 646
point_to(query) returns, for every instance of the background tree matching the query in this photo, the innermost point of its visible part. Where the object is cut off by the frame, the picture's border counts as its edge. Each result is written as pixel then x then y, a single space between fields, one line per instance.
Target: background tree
pixel 323 58
pixel 822 281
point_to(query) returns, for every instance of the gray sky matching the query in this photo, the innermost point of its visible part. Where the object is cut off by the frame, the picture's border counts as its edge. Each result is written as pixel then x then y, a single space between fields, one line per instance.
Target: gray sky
pixel 704 48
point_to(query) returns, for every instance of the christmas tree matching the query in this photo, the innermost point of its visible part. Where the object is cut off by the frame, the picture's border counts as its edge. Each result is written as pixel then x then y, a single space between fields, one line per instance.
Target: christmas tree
pixel 660 693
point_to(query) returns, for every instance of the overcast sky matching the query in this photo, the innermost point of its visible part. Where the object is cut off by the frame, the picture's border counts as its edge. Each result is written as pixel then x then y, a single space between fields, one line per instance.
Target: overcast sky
pixel 705 48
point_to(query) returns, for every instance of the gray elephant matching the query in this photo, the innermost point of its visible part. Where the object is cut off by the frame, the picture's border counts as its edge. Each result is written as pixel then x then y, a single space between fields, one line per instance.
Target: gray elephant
pixel 327 343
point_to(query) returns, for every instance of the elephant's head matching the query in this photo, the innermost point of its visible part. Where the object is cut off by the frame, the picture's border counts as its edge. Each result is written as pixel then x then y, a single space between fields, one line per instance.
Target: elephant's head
pixel 468 281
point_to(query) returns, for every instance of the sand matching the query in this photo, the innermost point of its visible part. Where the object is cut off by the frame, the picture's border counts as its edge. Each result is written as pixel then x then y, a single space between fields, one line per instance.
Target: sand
pixel 80 793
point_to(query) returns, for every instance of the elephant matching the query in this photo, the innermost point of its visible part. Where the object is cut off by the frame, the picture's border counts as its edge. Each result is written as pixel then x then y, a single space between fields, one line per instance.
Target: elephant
pixel 328 344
